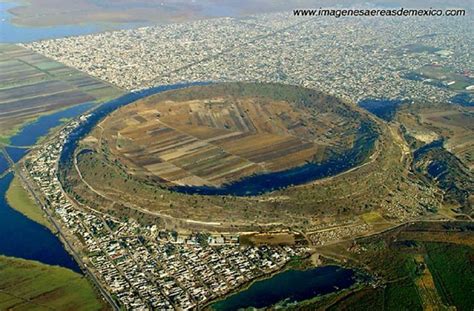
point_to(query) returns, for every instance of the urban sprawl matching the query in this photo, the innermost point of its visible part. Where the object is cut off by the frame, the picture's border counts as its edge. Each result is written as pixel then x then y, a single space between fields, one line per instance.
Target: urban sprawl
pixel 353 58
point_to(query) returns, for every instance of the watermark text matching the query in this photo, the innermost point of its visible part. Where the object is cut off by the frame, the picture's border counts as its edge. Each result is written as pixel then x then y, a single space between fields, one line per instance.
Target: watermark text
pixel 401 12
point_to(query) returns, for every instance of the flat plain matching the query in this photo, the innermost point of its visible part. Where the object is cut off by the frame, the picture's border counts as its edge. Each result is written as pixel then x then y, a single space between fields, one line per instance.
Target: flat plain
pixel 32 85
pixel 29 285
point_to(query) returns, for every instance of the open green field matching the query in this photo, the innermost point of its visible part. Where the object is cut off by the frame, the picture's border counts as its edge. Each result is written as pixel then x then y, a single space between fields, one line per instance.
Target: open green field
pixel 32 84
pixel 28 285
pixel 453 272
pixel 424 266
pixel 19 199
pixel 454 80
pixel 418 48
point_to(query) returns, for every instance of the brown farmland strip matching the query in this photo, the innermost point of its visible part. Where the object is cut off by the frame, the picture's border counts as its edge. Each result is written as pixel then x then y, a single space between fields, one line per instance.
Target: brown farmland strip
pixel 65 98
pixel 31 90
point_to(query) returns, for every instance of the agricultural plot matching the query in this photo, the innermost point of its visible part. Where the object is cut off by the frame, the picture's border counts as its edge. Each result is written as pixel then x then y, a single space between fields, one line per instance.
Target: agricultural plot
pixel 422 266
pixel 445 77
pixel 31 84
pixel 220 139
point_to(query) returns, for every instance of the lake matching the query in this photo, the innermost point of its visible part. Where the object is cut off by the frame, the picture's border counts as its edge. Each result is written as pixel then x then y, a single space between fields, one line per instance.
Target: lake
pixel 31 132
pixel 383 108
pixel 291 286
pixel 420 152
pixel 20 236
pixel 23 238
pixel 464 99
pixel 10 33
pixel 3 164
pixel 16 153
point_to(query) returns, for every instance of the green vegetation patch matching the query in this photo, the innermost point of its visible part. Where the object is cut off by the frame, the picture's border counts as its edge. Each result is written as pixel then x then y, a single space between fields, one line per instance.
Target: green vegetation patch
pixel 445 76
pixel 411 274
pixel 28 285
pixel 19 199
pixel 402 295
pixel 452 268
pixel 363 300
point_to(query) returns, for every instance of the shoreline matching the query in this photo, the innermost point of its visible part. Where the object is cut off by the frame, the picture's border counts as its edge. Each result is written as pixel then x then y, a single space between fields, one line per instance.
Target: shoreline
pixel 307 264
pixel 246 285
pixel 20 201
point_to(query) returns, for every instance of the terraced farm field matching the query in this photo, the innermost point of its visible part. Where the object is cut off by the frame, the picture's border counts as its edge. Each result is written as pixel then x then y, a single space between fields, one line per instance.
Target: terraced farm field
pixel 194 140
pixel 219 136
pixel 31 84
